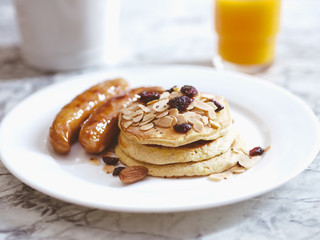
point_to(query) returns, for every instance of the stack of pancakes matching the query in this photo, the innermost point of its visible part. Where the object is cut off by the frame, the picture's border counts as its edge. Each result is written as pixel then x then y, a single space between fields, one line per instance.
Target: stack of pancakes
pixel 148 136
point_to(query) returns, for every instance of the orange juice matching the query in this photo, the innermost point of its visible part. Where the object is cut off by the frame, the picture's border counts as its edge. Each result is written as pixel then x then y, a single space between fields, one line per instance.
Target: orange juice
pixel 246 30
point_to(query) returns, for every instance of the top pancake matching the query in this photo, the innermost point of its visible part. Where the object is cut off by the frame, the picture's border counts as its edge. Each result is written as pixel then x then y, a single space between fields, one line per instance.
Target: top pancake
pixel 152 122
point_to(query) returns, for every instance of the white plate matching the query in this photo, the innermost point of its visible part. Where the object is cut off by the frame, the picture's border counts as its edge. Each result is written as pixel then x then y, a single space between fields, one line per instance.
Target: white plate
pixel 264 113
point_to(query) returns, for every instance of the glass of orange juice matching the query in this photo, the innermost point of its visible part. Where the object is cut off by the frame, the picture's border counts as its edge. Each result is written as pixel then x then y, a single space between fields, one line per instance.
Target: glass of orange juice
pixel 247 32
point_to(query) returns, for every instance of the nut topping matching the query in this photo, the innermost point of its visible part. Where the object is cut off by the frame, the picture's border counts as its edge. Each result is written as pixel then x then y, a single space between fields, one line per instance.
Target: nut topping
pixel 133 174
pixel 165 122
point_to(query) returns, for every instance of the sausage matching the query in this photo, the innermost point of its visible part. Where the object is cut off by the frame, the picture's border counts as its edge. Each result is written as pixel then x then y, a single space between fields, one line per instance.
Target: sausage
pixel 101 128
pixel 66 125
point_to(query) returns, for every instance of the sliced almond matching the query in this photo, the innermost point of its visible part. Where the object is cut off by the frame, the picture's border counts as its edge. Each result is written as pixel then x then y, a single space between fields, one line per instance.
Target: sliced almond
pixel 220 176
pixel 133 114
pixel 164 122
pixel 205 120
pixel 214 124
pixel 94 161
pixel 191 106
pixel 198 126
pixel 127 124
pixel 173 112
pixel 108 168
pixel 162 114
pixel 144 108
pixel 211 104
pixel 164 95
pixel 175 94
pixel 201 105
pixel 127 117
pixel 147 126
pixel 133 174
pixel 137 118
pixel 181 119
pixel 174 120
pixel 192 117
pixel 133 106
pixel 148 117
pixel 125 111
pixel 237 169
pixel 245 161
pixel 152 102
pixel 161 105
pixel 212 114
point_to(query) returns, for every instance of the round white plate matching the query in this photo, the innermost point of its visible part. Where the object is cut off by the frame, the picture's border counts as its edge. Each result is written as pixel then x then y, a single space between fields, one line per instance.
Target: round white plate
pixel 264 114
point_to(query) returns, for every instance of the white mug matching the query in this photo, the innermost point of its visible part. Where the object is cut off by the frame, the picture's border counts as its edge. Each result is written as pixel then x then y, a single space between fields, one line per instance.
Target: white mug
pixel 59 35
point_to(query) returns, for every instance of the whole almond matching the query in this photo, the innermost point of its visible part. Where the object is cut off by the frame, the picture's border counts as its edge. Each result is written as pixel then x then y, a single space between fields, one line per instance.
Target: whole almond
pixel 133 174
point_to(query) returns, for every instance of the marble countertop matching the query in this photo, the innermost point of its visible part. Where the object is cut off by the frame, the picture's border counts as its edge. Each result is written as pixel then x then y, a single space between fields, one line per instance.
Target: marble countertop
pixel 170 32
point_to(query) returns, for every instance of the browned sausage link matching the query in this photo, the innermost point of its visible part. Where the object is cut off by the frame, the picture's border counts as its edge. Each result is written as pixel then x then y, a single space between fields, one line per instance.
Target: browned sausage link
pixel 65 127
pixel 101 127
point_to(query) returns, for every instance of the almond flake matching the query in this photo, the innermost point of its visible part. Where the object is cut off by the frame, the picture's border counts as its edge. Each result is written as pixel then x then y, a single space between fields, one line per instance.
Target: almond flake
pixel 165 113
pixel 211 104
pixel 137 118
pixel 164 122
pixel 146 127
pixel 144 108
pixel 212 114
pixel 173 112
pixel 125 111
pixel 214 124
pixel 198 126
pixel 174 120
pixel 152 102
pixel 192 117
pixel 94 161
pixel 220 176
pixel 175 94
pixel 127 123
pixel 201 105
pixel 181 119
pixel 245 161
pixel 161 105
pixel 108 168
pixel 205 120
pixel 133 106
pixel 164 95
pixel 237 169
pixel 191 106
pixel 148 117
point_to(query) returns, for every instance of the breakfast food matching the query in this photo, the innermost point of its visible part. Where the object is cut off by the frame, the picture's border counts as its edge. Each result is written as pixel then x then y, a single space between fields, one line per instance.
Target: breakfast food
pixel 179 133
pixel 101 127
pixel 173 109
pixel 192 152
pixel 163 133
pixel 66 125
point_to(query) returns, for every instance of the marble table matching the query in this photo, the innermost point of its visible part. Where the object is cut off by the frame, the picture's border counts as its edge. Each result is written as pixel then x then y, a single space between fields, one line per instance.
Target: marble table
pixel 170 32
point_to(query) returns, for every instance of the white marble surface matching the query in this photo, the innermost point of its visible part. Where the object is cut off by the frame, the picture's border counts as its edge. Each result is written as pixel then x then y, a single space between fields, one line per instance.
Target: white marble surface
pixel 164 31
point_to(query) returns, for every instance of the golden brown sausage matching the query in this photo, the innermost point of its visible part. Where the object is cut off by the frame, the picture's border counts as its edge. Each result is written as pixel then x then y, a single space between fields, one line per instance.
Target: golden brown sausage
pixel 101 127
pixel 65 127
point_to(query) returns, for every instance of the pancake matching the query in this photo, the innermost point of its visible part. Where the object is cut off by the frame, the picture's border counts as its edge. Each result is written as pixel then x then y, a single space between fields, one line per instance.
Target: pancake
pixel 216 164
pixel 192 152
pixel 207 123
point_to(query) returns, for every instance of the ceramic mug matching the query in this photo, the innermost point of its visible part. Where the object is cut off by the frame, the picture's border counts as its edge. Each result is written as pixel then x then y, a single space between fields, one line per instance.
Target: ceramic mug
pixel 59 35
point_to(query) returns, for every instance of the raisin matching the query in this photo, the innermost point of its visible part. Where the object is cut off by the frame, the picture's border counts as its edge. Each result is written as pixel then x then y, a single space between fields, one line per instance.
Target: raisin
pixel 146 97
pixel 181 103
pixel 257 151
pixel 218 105
pixel 110 160
pixel 117 171
pixel 182 128
pixel 171 89
pixel 189 91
